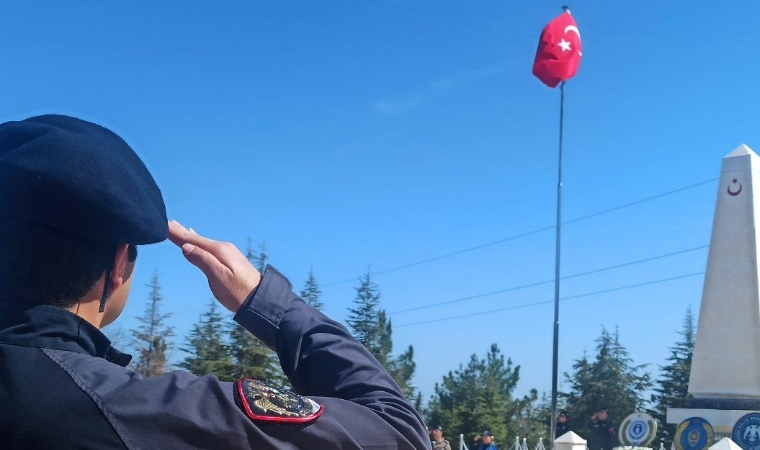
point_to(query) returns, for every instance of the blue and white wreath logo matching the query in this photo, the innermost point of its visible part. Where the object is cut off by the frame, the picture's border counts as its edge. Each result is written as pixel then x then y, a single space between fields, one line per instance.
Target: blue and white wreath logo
pixel 746 432
pixel 638 430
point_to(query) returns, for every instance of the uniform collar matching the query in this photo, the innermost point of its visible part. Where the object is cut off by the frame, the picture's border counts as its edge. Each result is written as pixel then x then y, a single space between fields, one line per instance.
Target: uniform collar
pixel 46 326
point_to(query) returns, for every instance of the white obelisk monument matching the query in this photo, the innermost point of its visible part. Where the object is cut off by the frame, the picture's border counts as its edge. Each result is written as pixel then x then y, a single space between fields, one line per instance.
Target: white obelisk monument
pixel 725 371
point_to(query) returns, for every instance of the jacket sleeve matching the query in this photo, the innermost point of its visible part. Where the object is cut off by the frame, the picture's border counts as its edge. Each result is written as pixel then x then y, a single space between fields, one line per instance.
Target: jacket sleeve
pixel 323 360
pixel 363 407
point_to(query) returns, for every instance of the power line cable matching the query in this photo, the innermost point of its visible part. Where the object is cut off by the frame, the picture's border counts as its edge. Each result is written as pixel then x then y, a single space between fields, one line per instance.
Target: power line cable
pixel 526 305
pixel 643 200
pixel 527 233
pixel 517 236
pixel 524 286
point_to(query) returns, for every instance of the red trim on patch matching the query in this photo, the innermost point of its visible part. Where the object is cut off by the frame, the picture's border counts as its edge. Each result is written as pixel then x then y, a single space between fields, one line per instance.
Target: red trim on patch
pixel 254 416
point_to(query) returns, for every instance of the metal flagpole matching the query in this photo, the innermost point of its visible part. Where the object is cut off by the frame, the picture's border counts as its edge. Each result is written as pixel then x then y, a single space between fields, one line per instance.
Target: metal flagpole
pixel 555 350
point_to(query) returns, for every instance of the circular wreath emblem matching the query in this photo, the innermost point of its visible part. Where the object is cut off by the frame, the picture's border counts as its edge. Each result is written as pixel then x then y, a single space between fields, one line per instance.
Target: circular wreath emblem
pixel 637 430
pixel 694 433
pixel 746 432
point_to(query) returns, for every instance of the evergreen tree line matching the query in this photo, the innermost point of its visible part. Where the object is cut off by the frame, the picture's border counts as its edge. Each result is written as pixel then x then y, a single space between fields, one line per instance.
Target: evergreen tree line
pixel 480 395
pixel 222 347
pixel 475 396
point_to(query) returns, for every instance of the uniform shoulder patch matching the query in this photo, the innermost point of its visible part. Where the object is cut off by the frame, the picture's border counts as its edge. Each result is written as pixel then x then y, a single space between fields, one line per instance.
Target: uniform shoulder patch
pixel 259 401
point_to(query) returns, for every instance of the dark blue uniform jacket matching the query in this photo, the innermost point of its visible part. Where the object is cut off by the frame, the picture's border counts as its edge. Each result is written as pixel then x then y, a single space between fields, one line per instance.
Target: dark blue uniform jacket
pixel 62 386
pixel 603 436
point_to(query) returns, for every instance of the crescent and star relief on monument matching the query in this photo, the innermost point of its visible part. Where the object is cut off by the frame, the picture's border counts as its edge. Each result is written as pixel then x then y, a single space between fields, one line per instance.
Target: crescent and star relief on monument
pixel 732 188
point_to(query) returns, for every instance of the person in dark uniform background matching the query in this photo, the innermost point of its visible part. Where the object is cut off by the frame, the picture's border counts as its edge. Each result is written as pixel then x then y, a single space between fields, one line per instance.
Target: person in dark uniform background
pixel 75 202
pixel 603 435
pixel 563 423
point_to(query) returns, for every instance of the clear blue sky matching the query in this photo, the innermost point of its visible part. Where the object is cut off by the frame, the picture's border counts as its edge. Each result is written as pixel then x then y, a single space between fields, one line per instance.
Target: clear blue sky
pixel 355 133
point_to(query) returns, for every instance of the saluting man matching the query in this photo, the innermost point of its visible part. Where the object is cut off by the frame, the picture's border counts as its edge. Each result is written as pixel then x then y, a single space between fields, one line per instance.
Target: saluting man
pixel 603 435
pixel 75 202
pixel 563 425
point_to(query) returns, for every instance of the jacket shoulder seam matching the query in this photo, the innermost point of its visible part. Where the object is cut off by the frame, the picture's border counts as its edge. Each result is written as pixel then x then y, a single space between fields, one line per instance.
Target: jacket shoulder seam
pixel 92 394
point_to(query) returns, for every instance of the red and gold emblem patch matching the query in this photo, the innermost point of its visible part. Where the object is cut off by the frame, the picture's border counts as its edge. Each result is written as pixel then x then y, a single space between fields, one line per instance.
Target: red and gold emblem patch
pixel 259 401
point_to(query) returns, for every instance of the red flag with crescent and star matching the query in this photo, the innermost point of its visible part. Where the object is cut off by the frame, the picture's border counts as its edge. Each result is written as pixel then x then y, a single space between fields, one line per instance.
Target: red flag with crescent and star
pixel 559 51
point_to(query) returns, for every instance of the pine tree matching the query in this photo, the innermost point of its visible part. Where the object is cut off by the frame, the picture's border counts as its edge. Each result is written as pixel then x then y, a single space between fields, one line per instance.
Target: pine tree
pixel 583 380
pixel 527 416
pixel 310 292
pixel 207 351
pixel 457 401
pixel 250 254
pixel 610 380
pixel 541 412
pixel 118 337
pixel 260 262
pixel 363 318
pixel 672 388
pixel 479 396
pixel 402 370
pixel 382 346
pixel 372 327
pixel 152 335
pixel 250 357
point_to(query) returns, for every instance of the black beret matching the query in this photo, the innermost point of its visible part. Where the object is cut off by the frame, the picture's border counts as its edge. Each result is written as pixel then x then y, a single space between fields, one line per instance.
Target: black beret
pixel 79 177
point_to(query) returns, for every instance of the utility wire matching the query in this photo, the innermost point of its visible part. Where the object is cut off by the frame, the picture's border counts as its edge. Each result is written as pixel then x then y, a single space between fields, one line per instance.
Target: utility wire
pixel 526 305
pixel 654 197
pixel 448 255
pixel 517 236
pixel 528 233
pixel 538 283
pixel 524 286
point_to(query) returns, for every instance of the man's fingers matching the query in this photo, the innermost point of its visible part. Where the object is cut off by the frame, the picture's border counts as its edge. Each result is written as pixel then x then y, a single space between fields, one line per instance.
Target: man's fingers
pixel 230 275
pixel 206 262
pixel 180 236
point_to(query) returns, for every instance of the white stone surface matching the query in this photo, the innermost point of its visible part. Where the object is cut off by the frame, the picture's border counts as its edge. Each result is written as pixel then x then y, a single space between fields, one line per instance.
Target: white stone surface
pixel 725 444
pixel 570 438
pixel 726 361
pixel 569 441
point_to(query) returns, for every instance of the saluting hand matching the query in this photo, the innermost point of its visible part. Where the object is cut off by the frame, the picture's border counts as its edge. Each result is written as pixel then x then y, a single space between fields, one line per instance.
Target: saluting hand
pixel 230 275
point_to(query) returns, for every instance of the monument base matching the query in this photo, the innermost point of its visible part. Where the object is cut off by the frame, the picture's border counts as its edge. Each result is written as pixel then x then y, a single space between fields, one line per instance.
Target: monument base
pixel 722 420
pixel 747 404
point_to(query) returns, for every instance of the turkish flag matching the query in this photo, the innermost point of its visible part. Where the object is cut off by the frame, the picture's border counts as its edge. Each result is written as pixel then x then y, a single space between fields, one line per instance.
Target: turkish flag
pixel 559 51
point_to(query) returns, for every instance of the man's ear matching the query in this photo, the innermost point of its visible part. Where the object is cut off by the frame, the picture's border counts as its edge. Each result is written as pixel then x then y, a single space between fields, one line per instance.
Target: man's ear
pixel 122 267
